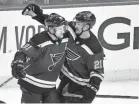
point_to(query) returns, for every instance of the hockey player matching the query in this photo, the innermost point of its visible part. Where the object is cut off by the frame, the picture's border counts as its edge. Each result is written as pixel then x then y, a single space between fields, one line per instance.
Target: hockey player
pixel 83 70
pixel 38 63
pixel 86 73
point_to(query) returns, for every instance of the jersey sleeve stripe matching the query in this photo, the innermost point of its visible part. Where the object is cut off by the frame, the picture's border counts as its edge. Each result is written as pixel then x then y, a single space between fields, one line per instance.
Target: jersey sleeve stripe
pixel 87 49
pixel 45 44
pixel 76 79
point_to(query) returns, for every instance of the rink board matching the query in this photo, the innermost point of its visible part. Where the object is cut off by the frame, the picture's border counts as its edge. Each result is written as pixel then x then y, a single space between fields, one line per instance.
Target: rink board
pixel 117 28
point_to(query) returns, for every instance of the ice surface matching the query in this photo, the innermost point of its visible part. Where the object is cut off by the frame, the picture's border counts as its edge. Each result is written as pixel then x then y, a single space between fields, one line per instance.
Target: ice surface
pixel 12 95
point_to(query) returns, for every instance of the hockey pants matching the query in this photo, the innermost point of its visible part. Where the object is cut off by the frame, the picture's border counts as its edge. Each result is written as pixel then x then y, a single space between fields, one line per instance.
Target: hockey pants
pixel 30 97
pixel 73 93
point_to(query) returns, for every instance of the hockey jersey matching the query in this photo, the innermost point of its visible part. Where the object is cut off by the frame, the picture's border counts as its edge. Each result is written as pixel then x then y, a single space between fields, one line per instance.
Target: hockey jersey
pixel 84 58
pixel 85 62
pixel 44 70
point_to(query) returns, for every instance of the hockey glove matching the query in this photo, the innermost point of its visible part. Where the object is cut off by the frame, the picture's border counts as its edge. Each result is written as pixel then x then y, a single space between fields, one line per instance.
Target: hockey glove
pixel 91 89
pixel 88 94
pixel 32 10
pixel 95 83
pixel 17 69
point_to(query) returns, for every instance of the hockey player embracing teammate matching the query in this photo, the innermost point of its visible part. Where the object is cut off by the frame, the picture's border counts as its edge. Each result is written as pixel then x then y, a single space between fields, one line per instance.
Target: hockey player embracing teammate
pixel 83 71
pixel 38 63
pixel 84 74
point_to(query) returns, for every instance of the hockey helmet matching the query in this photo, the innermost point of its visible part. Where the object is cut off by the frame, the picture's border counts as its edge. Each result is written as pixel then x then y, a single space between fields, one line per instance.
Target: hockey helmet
pixel 87 17
pixel 55 20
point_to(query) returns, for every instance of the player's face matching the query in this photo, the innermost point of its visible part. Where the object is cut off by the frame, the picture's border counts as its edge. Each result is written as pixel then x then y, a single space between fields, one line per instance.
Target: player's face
pixel 59 31
pixel 79 27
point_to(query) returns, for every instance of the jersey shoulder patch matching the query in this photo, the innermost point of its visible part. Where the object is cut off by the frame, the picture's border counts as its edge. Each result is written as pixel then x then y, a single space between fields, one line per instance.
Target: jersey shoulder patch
pixel 71 55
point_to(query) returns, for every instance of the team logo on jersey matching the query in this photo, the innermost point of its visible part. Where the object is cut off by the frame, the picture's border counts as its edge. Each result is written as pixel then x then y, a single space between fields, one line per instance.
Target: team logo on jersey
pixel 70 55
pixel 55 59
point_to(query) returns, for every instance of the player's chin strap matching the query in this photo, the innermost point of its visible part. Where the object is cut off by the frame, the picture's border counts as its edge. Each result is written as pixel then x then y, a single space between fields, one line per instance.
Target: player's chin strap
pixel 53 37
pixel 85 30
pixel 78 35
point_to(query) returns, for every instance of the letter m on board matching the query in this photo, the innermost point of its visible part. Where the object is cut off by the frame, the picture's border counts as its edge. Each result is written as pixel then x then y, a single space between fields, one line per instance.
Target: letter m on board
pixel 3 39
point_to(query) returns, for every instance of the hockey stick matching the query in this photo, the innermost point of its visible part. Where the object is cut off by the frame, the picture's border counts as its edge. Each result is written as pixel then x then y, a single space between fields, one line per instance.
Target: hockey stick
pixel 118 96
pixel 9 79
pixel 103 96
pixel 5 82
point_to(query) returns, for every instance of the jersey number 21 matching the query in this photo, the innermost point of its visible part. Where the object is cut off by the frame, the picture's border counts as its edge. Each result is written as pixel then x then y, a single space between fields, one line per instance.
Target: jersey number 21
pixel 98 64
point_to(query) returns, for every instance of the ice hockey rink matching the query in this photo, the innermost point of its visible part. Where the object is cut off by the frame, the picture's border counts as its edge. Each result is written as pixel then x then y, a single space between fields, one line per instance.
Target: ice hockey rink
pixel 121 83
pixel 128 92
